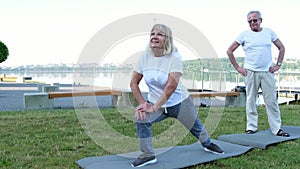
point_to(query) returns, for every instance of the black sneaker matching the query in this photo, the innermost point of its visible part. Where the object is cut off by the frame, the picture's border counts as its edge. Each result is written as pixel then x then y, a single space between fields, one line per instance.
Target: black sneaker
pixel 142 161
pixel 213 148
pixel 251 131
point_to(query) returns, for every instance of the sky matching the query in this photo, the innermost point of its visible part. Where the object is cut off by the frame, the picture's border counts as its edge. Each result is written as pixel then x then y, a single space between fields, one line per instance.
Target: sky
pixel 56 31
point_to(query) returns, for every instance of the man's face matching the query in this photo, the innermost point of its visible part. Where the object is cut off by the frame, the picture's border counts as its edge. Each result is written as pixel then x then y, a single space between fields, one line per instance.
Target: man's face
pixel 254 22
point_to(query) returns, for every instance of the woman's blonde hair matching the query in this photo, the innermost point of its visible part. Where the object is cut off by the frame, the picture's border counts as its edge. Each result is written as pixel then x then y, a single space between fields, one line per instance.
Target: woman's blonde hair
pixel 168 45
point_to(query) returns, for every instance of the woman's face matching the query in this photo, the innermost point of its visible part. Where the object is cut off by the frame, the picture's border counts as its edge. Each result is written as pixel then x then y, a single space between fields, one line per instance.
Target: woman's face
pixel 157 39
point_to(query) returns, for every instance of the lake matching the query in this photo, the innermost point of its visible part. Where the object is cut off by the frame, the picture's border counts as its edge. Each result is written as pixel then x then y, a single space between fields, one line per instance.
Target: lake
pixel 218 81
pixel 115 80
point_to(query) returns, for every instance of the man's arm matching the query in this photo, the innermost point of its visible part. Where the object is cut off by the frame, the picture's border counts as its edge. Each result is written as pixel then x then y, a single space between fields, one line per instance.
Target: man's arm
pixel 232 59
pixel 281 49
pixel 230 55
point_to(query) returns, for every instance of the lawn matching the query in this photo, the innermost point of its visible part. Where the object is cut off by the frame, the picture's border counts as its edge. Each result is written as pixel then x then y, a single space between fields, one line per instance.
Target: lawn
pixel 58 138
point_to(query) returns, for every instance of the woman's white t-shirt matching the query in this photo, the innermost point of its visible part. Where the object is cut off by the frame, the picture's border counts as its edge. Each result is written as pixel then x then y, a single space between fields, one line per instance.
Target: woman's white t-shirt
pixel 155 71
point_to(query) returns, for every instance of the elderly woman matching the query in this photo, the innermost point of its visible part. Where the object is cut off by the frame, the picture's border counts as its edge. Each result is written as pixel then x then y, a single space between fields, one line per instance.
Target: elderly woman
pixel 161 68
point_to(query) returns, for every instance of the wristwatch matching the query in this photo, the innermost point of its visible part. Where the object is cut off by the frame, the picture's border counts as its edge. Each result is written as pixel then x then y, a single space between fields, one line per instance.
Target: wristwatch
pixel 278 64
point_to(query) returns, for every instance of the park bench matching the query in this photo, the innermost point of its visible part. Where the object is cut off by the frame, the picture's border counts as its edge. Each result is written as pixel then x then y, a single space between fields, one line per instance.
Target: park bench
pixel 232 98
pixel 46 99
pixel 9 79
pixel 52 95
pixel 114 98
pixel 214 94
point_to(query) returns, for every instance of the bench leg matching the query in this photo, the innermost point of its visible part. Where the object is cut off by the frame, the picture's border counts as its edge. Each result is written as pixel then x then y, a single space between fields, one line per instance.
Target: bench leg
pixel 236 101
pixel 37 101
pixel 114 100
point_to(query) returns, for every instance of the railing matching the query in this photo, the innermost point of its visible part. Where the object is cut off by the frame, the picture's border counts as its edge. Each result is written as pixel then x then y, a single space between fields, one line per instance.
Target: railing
pixel 288 82
pixel 221 80
pixel 214 79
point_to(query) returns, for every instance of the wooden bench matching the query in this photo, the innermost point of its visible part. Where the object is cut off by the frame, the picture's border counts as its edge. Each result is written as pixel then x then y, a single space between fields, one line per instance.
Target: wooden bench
pixel 232 99
pixel 9 79
pixel 118 98
pixel 112 102
pixel 46 99
pixel 52 95
pixel 214 94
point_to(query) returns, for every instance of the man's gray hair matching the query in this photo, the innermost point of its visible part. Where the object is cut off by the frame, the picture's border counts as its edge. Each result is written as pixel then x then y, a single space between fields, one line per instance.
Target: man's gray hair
pixel 257 12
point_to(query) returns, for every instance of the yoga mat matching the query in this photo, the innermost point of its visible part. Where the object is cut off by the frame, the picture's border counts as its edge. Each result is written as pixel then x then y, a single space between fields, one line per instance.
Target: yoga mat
pixel 261 139
pixel 175 157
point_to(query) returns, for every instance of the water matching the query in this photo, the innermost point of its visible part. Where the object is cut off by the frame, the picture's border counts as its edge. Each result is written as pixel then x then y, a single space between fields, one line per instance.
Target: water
pixel 121 80
pixel 118 80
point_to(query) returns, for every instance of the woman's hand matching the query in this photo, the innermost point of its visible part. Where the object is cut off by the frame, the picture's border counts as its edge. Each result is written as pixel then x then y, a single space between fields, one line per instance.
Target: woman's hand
pixel 142 109
pixel 140 115
pixel 145 107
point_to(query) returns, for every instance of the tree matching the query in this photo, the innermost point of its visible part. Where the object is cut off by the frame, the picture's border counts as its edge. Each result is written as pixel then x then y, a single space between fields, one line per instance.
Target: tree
pixel 3 52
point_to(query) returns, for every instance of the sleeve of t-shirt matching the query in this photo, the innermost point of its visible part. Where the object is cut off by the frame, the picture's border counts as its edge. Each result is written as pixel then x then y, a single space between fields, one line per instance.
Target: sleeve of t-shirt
pixel 274 37
pixel 240 38
pixel 176 65
pixel 139 63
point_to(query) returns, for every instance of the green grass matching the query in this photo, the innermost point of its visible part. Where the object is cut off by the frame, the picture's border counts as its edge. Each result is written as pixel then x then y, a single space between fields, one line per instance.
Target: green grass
pixel 58 138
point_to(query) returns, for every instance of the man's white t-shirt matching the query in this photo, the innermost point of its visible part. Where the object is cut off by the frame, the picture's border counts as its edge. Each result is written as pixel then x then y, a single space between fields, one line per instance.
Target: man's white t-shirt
pixel 257 47
pixel 155 71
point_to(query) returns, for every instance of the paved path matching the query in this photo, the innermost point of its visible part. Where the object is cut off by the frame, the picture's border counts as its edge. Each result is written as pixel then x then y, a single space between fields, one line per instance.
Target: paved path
pixel 11 95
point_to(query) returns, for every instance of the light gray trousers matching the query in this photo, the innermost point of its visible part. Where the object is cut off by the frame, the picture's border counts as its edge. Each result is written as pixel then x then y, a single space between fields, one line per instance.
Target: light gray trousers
pixel 265 81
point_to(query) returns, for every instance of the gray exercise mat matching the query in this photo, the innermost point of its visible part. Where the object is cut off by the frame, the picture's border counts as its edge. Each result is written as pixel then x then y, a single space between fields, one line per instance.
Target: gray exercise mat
pixel 176 157
pixel 261 139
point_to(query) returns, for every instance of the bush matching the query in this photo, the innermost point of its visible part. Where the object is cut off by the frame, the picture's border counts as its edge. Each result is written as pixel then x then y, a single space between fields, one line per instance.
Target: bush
pixel 3 52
